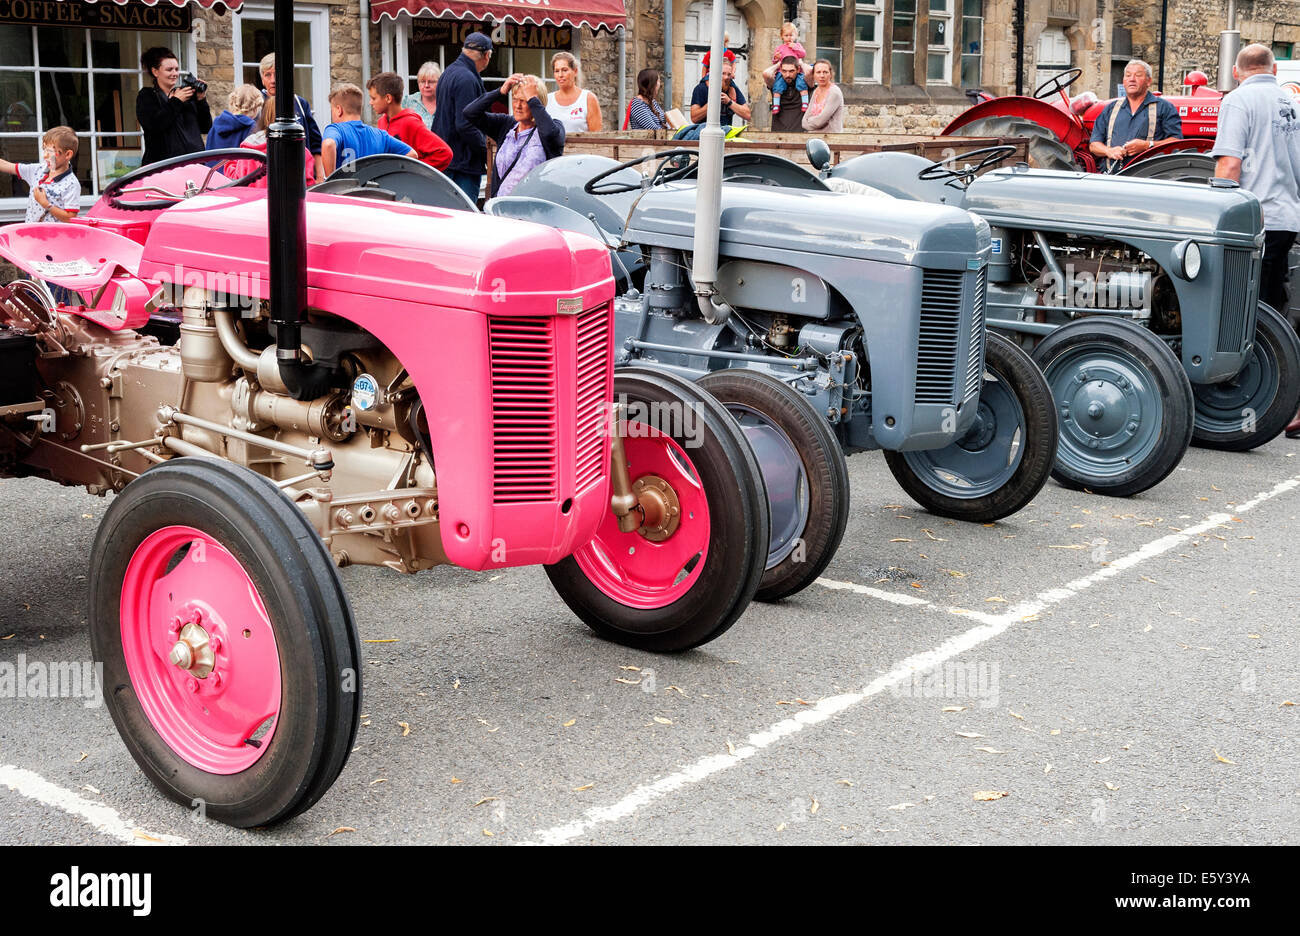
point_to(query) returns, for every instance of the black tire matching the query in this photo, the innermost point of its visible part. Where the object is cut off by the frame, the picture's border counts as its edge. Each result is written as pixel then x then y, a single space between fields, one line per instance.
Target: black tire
pixel 317 643
pixel 1256 405
pixel 927 476
pixel 1154 383
pixel 737 537
pixel 796 556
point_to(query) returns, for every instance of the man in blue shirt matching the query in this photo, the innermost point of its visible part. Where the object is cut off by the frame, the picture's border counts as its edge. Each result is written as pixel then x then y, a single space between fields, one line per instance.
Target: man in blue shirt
pixel 733 99
pixel 459 87
pixel 348 138
pixel 1135 122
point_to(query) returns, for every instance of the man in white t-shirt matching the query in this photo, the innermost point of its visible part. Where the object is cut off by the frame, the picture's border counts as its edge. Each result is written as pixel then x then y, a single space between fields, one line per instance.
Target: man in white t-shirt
pixel 1258 145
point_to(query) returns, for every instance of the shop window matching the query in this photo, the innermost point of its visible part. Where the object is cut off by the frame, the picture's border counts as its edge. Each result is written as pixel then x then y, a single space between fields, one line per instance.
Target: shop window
pixel 86 79
pixel 972 43
pixel 253 41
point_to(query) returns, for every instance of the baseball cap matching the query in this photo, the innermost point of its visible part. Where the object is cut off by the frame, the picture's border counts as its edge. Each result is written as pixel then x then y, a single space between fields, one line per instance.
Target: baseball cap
pixel 478 41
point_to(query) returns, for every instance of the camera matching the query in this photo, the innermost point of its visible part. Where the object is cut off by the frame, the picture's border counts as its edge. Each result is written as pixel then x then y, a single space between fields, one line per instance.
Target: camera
pixel 189 81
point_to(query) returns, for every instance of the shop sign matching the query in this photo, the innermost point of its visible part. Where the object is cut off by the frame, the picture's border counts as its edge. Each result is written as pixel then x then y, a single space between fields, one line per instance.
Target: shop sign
pixel 103 15
pixel 515 36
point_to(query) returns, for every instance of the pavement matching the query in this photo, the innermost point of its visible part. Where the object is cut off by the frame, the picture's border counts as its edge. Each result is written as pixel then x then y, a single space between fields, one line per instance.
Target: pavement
pixel 1089 671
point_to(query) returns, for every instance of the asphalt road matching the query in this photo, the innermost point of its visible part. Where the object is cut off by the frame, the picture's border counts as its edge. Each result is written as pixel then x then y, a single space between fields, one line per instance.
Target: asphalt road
pixel 1122 670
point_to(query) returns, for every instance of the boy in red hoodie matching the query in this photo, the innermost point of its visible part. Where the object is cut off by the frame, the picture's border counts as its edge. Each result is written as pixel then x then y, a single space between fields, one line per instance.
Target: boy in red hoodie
pixel 386 92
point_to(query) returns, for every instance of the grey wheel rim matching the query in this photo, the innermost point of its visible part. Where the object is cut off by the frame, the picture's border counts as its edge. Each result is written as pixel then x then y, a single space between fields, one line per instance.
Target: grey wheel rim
pixel 1235 405
pixel 986 458
pixel 785 477
pixel 1109 409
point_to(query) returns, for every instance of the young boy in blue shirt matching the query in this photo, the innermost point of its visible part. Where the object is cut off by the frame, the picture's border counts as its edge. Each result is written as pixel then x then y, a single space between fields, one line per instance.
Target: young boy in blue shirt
pixel 348 138
pixel 54 191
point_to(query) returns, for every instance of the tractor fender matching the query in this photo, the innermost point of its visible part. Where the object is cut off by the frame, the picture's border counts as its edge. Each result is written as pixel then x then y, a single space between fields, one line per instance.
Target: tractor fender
pixel 1063 125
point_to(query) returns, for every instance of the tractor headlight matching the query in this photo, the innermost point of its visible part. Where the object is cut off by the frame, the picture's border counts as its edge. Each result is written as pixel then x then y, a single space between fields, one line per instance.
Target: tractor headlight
pixel 1187 257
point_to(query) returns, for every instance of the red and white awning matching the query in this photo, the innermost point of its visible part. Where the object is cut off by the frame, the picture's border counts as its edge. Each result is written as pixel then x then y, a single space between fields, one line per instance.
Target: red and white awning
pixel 596 14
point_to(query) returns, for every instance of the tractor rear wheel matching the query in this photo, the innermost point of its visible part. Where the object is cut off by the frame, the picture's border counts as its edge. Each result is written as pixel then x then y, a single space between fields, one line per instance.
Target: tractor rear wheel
pixel 804 472
pixel 686 579
pixel 230 657
pixel 1124 403
pixel 1003 460
pixel 1253 407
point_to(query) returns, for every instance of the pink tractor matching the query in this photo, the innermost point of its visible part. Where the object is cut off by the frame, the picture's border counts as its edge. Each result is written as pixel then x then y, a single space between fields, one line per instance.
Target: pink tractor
pixel 356 382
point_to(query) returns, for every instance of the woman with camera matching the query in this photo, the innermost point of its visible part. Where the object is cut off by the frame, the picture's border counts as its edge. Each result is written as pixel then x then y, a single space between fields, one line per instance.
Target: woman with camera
pixel 172 111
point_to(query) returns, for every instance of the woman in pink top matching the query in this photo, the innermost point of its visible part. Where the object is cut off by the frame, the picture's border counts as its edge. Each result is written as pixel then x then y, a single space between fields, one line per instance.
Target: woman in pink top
pixel 825 112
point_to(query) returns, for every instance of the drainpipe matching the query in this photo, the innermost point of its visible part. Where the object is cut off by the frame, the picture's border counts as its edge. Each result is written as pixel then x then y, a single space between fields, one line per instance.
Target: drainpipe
pixel 1229 46
pixel 365 42
pixel 622 76
pixel 1020 46
pixel 287 222
pixel 668 55
pixel 1164 32
pixel 708 189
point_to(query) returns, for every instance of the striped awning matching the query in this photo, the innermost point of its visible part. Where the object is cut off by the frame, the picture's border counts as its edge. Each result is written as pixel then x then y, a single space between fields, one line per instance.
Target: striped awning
pixel 596 14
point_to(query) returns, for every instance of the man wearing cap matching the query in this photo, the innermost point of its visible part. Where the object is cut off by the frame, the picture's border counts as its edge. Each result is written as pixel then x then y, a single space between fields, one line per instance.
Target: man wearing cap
pixel 460 86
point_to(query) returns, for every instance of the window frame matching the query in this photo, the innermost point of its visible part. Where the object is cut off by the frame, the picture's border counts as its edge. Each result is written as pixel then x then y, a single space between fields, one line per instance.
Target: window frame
pixel 15 208
pixel 947 15
pixel 876 8
pixel 317 16
pixel 963 55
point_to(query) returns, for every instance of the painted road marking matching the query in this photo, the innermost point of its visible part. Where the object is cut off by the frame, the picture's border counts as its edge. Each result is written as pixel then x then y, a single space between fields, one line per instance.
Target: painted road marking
pixel 103 817
pixel 991 626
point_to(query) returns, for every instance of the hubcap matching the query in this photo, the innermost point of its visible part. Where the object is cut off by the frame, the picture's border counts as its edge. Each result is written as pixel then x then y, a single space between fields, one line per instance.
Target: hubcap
pixel 1110 410
pixel 193 653
pixel 660 507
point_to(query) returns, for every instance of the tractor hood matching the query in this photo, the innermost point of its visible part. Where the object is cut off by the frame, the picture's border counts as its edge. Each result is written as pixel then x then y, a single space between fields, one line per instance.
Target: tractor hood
pixel 1117 206
pixel 760 222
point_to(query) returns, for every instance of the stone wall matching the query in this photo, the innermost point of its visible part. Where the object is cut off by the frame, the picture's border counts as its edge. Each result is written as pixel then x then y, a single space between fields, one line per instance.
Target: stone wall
pixel 1193 28
pixel 216 55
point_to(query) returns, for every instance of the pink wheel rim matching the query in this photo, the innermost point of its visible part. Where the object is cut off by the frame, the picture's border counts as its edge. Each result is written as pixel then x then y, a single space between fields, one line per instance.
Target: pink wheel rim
pixel 633 570
pixel 217 723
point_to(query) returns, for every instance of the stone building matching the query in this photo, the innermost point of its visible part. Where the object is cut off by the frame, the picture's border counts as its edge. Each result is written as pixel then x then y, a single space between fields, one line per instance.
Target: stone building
pixel 1192 32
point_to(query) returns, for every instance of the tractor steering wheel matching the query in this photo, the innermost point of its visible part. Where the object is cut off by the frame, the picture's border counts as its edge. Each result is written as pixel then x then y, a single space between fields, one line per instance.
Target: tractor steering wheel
pixel 1058 82
pixel 942 170
pixel 117 187
pixel 663 173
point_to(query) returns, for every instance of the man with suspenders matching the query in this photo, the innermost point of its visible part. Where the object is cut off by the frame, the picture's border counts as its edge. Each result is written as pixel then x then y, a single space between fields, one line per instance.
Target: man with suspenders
pixel 1135 122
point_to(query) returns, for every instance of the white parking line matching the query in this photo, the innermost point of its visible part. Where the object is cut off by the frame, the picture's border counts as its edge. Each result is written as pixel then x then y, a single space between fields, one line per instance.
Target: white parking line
pixel 104 818
pixel 992 626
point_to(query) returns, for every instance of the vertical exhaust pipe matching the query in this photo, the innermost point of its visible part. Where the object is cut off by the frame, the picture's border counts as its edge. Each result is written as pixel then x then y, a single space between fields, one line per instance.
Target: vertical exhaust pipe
pixel 708 192
pixel 286 196
pixel 1229 46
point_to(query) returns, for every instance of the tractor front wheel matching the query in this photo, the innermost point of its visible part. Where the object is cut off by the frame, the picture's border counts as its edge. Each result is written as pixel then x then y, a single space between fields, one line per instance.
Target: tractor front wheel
pixel 1124 403
pixel 1254 406
pixel 804 472
pixel 1004 458
pixel 229 653
pixel 693 565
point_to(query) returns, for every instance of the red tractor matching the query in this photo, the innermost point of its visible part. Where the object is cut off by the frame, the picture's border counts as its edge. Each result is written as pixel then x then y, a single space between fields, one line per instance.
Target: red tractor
pixel 356 382
pixel 1060 127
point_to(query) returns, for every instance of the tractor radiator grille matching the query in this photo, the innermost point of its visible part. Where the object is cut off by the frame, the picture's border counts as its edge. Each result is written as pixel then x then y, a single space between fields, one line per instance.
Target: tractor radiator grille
pixel 594 361
pixel 524 401
pixel 940 337
pixel 975 361
pixel 1235 316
